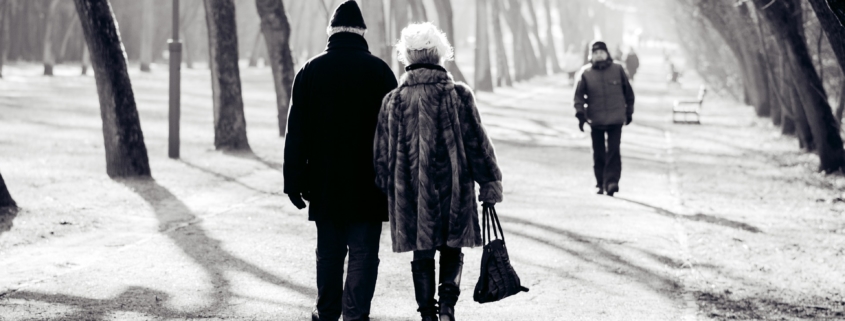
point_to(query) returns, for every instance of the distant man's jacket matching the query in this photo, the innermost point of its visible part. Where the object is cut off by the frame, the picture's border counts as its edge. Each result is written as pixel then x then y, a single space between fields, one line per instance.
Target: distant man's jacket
pixel 334 109
pixel 604 89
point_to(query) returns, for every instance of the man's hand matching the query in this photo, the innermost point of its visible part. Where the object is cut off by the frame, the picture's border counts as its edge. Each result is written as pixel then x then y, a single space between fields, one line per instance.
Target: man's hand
pixel 581 120
pixel 630 119
pixel 296 199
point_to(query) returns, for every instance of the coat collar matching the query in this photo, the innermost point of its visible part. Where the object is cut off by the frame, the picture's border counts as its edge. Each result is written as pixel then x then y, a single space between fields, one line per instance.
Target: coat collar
pixel 418 74
pixel 601 65
pixel 347 40
pixel 426 66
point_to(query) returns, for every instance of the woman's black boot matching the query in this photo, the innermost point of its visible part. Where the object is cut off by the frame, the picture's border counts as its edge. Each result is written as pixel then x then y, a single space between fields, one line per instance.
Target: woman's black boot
pixel 423 272
pixel 451 266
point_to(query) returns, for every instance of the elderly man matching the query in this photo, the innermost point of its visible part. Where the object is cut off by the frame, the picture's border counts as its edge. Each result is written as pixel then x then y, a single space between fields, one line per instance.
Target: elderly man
pixel 604 99
pixel 329 161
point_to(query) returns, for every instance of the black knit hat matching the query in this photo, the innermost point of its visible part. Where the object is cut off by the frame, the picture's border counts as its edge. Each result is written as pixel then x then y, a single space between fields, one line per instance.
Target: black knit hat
pixel 348 14
pixel 598 45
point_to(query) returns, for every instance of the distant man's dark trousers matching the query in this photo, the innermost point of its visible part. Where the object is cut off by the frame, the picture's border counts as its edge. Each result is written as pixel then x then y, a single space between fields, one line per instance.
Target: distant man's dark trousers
pixel 607 161
pixel 334 240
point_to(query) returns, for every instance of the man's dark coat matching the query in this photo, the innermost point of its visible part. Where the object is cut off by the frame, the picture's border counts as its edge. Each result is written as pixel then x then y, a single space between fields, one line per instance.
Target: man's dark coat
pixel 331 124
pixel 605 90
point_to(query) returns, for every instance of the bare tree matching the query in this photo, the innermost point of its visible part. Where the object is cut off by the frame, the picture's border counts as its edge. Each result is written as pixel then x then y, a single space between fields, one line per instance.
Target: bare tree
pixel 734 24
pixel 538 64
pixel 5 198
pixel 524 57
pixel 229 121
pixel 483 75
pixel 48 56
pixel 418 13
pixel 126 154
pixel 400 12
pixel 5 7
pixel 835 32
pixel 571 14
pixel 503 73
pixel 445 17
pixel 781 16
pixel 276 30
pixel 147 33
pixel 256 49
pixel 376 36
pixel 838 8
pixel 86 58
pixel 551 49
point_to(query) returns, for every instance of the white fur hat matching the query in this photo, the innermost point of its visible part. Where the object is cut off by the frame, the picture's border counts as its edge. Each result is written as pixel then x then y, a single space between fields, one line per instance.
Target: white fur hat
pixel 422 36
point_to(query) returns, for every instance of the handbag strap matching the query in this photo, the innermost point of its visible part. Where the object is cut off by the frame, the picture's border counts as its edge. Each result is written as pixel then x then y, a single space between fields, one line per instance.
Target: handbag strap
pixel 490 217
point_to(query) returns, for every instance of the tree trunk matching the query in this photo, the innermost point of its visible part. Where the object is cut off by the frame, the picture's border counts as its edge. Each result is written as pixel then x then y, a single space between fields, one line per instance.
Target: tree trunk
pixel 229 122
pixel 69 32
pixel 734 26
pixel 503 73
pixel 147 33
pixel 445 17
pixel 126 154
pixel 551 49
pixel 539 64
pixel 256 46
pixel 835 32
pixel 5 198
pixel 86 58
pixel 418 13
pixel 276 30
pixel 5 7
pixel 805 135
pixel 781 16
pixel 483 75
pixel 48 57
pixel 376 36
pixel 525 59
pixel 841 107
pixel 400 12
pixel 570 14
pixel 838 8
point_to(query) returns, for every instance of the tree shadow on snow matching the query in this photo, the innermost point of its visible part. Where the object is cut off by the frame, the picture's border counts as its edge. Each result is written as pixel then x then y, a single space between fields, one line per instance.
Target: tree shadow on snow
pixel 721 306
pixel 698 217
pixel 181 225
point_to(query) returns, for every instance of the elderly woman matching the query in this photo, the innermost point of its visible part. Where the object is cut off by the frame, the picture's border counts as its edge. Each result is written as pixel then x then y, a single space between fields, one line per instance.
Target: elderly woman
pixel 430 150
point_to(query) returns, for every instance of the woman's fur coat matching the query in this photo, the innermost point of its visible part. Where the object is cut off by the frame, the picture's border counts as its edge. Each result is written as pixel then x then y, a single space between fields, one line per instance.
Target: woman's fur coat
pixel 430 149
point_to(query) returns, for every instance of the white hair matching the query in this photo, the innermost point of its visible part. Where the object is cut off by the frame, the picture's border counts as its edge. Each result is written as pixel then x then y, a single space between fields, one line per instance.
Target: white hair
pixel 423 36
pixel 333 30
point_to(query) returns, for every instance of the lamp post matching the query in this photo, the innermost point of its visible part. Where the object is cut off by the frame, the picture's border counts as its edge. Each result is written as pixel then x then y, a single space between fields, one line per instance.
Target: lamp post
pixel 175 47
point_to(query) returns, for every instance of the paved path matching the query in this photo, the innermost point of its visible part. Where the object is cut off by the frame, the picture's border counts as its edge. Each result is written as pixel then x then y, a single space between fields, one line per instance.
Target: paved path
pixel 214 238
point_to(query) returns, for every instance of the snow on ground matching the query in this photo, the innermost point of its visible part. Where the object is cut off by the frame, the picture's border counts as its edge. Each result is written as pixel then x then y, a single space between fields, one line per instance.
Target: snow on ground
pixel 726 220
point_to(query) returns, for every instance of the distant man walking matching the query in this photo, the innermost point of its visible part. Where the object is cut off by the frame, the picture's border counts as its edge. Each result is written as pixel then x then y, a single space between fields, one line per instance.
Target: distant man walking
pixel 632 62
pixel 604 99
pixel 329 161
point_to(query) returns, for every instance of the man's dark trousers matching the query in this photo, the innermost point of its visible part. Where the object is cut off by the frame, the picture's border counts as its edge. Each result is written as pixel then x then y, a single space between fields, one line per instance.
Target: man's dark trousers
pixel 607 161
pixel 334 239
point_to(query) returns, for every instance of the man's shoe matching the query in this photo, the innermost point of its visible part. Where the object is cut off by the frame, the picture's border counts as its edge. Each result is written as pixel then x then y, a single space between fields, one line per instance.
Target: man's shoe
pixel 423 275
pixel 612 188
pixel 600 191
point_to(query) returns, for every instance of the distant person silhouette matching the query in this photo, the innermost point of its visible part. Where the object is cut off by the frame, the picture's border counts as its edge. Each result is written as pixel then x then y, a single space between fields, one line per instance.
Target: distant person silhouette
pixel 604 99
pixel 632 63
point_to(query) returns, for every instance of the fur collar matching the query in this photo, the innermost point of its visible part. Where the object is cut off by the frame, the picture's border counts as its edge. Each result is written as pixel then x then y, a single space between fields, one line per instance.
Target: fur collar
pixel 426 66
pixel 425 74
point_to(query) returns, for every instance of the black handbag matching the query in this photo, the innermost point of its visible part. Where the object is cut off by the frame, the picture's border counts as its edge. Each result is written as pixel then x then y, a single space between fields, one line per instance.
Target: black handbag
pixel 497 280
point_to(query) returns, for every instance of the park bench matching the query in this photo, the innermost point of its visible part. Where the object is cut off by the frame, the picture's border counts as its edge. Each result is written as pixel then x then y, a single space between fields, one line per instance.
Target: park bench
pixel 692 108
